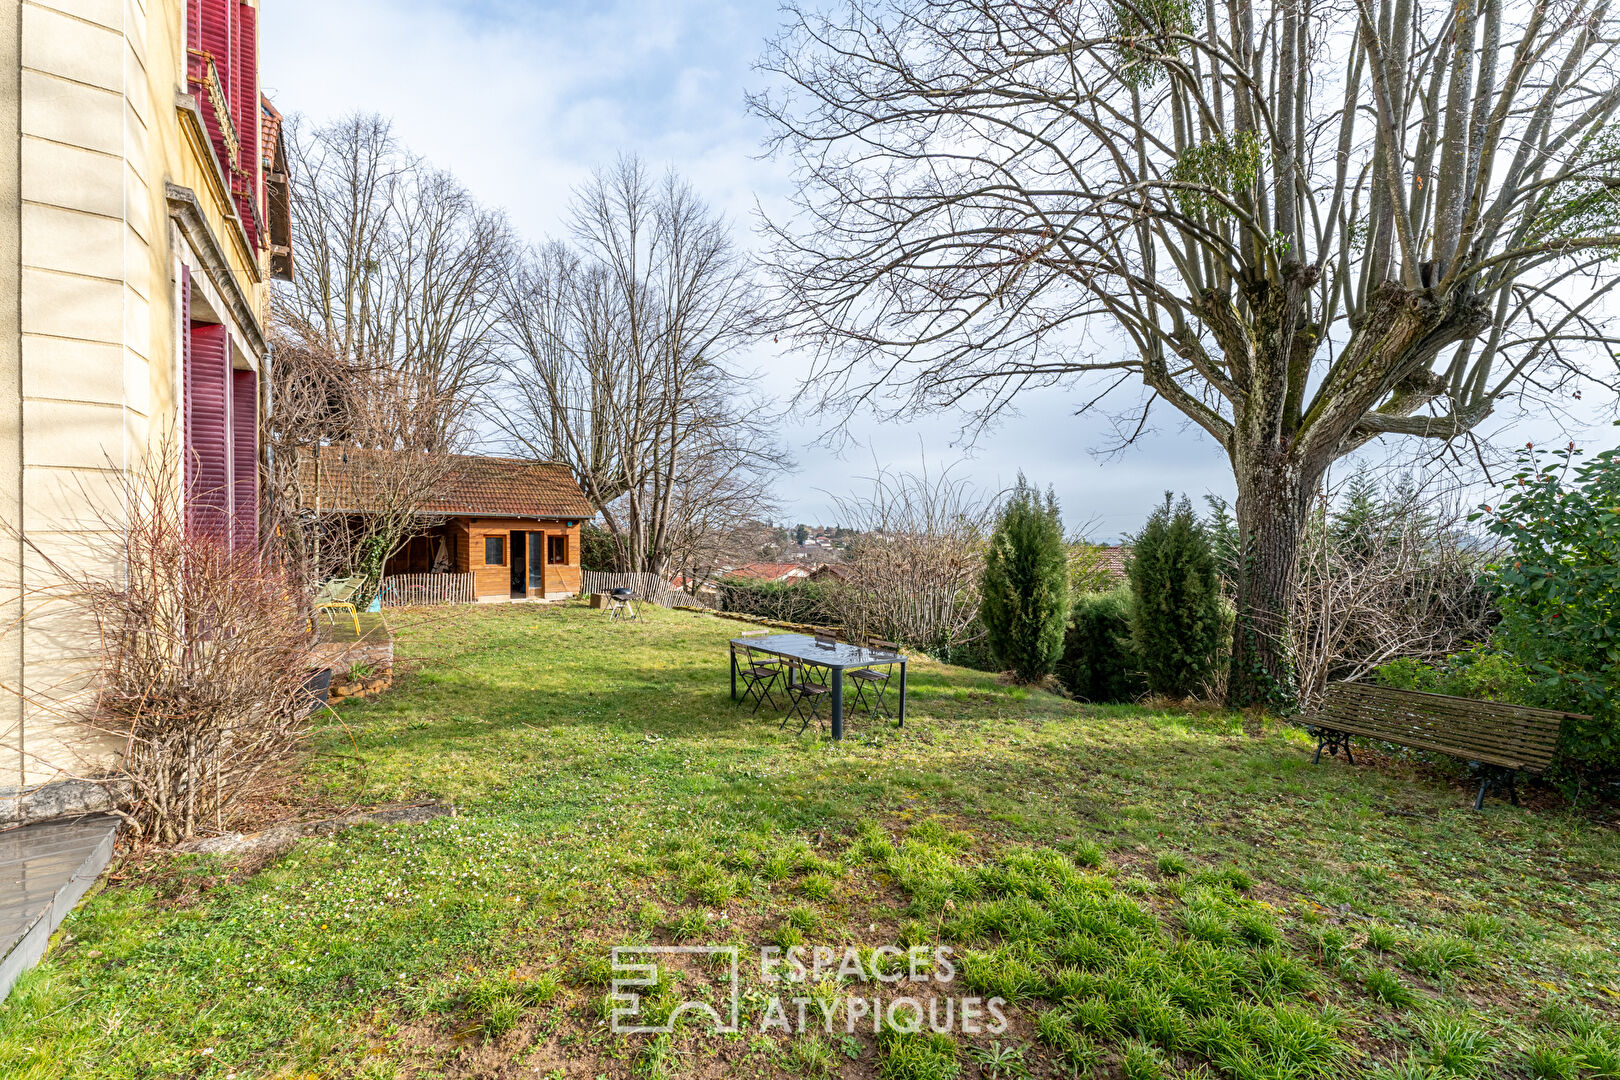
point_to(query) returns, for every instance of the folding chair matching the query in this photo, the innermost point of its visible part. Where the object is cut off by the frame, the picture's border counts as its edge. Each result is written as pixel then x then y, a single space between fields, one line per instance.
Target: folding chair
pixel 336 595
pixel 874 682
pixel 805 694
pixel 758 676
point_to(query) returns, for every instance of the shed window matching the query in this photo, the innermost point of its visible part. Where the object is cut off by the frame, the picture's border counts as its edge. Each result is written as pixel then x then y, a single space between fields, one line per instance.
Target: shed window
pixel 557 550
pixel 494 551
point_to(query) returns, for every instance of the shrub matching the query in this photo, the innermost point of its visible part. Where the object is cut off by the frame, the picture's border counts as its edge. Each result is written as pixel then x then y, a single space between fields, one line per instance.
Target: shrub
pixel 1175 601
pixel 1099 659
pixel 597 550
pixel 1559 592
pixel 804 602
pixel 1482 673
pixel 204 650
pixel 1388 572
pixel 1025 587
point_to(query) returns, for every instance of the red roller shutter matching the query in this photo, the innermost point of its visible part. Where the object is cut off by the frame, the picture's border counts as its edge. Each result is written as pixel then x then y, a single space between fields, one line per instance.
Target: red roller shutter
pixel 245 111
pixel 186 470
pixel 208 468
pixel 245 459
pixel 215 24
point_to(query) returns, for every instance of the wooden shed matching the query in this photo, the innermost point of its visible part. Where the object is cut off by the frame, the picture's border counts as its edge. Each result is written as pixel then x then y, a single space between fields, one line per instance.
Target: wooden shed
pixel 507 526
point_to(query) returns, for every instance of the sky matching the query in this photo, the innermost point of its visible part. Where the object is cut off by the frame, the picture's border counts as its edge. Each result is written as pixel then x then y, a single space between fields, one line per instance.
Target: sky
pixel 522 99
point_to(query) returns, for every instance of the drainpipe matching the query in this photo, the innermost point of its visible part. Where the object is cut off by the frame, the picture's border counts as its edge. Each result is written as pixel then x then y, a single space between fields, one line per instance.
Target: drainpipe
pixel 267 405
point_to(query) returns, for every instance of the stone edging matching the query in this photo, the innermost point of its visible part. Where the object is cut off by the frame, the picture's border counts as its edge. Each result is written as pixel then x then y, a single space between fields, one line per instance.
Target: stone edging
pixel 279 838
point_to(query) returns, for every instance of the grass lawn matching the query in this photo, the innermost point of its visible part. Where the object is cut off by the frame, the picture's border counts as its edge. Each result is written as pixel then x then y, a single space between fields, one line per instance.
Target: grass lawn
pixel 1153 894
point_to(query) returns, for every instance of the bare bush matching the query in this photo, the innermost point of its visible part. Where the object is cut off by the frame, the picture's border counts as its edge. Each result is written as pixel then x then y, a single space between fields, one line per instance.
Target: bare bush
pixel 355 462
pixel 913 570
pixel 1385 575
pixel 203 659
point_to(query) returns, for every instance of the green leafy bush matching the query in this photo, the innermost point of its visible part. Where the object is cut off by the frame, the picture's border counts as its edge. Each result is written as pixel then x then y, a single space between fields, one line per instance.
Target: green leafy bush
pixel 1559 593
pixel 1176 601
pixel 1099 660
pixel 1483 673
pixel 1025 587
pixel 597 550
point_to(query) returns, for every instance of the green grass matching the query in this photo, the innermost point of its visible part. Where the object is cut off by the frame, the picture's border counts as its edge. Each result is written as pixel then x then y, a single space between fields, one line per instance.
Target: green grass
pixel 1152 893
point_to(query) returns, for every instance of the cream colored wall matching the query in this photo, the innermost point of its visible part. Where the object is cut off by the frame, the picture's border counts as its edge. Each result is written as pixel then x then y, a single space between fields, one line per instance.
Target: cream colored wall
pixel 101 138
pixel 11 645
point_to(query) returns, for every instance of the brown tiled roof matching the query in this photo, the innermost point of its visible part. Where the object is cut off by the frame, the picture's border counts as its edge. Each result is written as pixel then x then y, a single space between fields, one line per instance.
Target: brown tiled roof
pixel 473 486
pixel 1112 559
pixel 767 571
pixel 269 131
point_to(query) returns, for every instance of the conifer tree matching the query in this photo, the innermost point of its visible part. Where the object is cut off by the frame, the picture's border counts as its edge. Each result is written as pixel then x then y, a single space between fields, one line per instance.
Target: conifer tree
pixel 1025 588
pixel 1175 601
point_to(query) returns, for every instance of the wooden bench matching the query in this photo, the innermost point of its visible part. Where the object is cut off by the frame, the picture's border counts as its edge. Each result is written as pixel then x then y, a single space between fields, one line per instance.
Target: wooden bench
pixel 1503 739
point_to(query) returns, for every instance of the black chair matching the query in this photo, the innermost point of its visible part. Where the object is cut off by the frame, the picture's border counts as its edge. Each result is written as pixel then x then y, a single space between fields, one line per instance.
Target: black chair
pixel 758 677
pixel 805 694
pixel 871 683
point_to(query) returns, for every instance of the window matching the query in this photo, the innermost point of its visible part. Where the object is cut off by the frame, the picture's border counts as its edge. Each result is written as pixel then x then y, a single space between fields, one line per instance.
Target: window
pixel 494 551
pixel 557 550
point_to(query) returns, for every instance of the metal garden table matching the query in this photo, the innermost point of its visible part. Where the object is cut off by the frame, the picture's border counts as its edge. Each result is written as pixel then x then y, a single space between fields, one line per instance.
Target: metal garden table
pixel 839 657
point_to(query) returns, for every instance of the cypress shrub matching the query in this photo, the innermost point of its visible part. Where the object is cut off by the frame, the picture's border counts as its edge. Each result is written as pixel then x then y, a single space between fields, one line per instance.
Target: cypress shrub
pixel 1176 601
pixel 1025 588
pixel 1099 660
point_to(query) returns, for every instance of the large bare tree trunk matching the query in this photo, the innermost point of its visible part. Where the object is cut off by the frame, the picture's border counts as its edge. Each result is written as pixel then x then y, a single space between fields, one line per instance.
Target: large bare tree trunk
pixel 1274 493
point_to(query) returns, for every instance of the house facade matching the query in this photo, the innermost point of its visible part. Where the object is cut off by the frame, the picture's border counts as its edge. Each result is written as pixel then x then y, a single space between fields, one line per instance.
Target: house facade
pixel 143 215
pixel 509 527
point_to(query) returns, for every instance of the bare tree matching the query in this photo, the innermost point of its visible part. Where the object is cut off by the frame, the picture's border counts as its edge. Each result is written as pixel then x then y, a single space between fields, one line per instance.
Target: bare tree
pixel 1302 225
pixel 912 573
pixel 720 528
pixel 626 338
pixel 399 267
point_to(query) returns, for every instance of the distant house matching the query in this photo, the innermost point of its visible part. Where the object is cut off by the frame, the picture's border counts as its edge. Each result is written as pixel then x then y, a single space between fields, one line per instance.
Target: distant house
pixel 829 572
pixel 511 524
pixel 1112 559
pixel 769 571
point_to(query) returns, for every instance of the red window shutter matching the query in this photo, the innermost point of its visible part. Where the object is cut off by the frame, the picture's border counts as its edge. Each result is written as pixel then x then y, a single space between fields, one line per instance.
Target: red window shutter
pixel 246 113
pixel 187 473
pixel 245 100
pixel 245 459
pixel 215 23
pixel 208 469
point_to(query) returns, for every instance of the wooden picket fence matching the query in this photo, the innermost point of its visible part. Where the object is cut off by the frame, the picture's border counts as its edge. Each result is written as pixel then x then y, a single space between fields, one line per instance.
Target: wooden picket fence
pixel 427 590
pixel 647 587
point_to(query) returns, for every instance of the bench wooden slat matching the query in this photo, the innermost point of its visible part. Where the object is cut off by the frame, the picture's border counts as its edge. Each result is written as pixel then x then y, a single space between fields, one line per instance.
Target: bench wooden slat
pixel 1492 732
pixel 1501 739
pixel 1421 744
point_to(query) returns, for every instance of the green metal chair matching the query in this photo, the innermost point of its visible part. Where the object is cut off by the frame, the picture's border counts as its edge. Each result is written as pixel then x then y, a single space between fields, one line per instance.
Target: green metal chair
pixel 336 595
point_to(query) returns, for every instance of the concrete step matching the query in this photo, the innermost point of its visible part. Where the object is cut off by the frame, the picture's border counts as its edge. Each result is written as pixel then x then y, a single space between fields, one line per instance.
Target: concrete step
pixel 44 870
